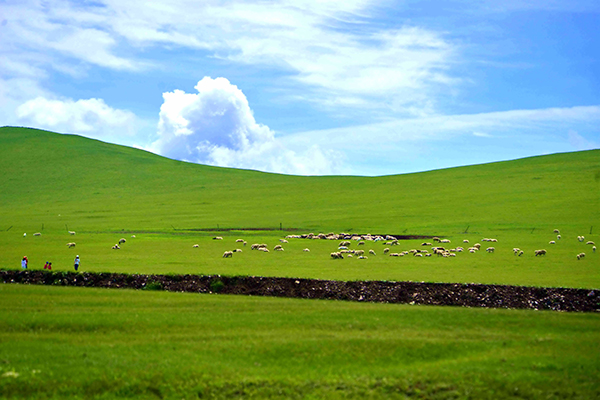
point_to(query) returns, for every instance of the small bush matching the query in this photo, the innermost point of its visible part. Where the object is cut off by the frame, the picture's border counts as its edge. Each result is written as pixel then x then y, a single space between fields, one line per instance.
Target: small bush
pixel 153 285
pixel 216 285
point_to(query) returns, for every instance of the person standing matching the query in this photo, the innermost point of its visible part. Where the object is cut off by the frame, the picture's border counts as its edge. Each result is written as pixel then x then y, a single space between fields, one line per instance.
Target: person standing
pixel 24 262
pixel 76 264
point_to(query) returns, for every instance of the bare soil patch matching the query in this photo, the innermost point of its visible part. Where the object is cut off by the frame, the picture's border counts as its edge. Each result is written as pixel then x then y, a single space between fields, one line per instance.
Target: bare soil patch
pixel 448 294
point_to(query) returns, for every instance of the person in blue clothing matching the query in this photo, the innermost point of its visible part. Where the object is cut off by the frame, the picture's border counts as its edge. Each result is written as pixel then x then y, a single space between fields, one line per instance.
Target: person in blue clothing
pixel 24 262
pixel 76 264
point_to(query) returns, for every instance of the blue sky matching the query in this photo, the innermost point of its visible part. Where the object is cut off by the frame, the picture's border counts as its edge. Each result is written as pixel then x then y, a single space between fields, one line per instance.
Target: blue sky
pixel 309 87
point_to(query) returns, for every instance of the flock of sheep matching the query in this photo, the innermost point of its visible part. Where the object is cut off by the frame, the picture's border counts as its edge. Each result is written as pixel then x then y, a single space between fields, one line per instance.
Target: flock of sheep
pixel 346 241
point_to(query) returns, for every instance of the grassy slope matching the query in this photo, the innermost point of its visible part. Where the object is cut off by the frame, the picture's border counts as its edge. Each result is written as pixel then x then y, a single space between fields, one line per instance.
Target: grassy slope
pixel 98 186
pixel 98 189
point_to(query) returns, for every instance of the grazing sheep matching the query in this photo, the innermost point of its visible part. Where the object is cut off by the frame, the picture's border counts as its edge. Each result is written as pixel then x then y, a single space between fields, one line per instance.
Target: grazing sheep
pixel 444 240
pixel 217 238
pixel 122 240
pixel 466 241
pixel 283 241
pixel 372 252
pixel 590 242
pixel 477 246
pixel 521 253
pixel 516 250
pixel 277 247
pixel 72 244
pixel 394 255
pixel 490 249
pixel 594 249
pixel 418 255
pixel 196 245
pixel 558 237
pixel 552 242
pixel 580 256
pixel 71 232
pixel 306 250
pixel 239 240
pixel 237 250
pixel 116 247
pixel 133 236
pixel 37 234
pixel 228 254
pixel 359 252
pixel 541 252
pixel 581 238
pixel 386 250
pixel 342 248
pixel 435 239
pixel 361 243
pixel 336 255
pixel 263 249
pixel 426 244
pixel 556 231
pixel 363 257
pixel 345 243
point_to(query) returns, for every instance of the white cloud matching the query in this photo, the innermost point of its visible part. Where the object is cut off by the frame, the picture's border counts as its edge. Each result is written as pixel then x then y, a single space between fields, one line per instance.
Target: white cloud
pixel 92 117
pixel 216 126
pixel 328 48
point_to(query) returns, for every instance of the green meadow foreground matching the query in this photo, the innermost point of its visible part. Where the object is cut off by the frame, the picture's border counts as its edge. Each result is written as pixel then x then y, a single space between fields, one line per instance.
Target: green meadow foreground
pixel 93 343
pixel 89 343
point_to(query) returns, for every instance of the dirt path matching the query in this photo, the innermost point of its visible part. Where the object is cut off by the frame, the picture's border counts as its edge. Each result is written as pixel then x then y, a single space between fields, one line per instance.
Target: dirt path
pixel 450 294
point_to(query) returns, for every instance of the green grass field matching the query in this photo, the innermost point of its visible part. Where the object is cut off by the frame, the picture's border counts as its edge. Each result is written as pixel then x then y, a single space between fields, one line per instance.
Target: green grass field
pixel 86 343
pixel 70 342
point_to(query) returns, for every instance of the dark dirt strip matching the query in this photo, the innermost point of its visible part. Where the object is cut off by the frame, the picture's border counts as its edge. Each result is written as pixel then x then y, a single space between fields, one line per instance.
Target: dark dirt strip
pixel 448 294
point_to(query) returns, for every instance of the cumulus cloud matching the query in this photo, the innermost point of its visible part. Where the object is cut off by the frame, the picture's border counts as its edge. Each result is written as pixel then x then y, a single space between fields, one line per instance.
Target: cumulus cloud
pixel 92 117
pixel 216 126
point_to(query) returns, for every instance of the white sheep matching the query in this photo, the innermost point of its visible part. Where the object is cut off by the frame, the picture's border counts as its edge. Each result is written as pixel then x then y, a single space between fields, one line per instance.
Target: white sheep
pixel 556 231
pixel 116 247
pixel 541 252
pixel 580 256
pixel 372 252
pixel 336 255
pixel 122 240
pixel 490 249
pixel 386 250
pixel 466 241
pixel 37 234
pixel 581 238
pixel 228 254
pixel 594 249
pixel 196 245
pixel 283 241
pixel 306 250
pixel 72 244
pixel 237 250
pixel 71 232
pixel 217 238
pixel 558 237
pixel 590 242
pixel 552 242
pixel 239 240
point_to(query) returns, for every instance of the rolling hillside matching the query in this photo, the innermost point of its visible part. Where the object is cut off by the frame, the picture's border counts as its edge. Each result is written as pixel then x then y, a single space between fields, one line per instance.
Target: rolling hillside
pixel 51 180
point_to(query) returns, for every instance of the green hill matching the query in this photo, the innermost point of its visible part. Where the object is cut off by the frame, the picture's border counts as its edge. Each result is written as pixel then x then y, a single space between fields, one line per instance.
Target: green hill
pixel 99 186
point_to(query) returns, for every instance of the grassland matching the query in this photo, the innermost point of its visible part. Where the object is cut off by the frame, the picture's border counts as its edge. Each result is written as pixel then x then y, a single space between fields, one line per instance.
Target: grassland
pixel 104 344
pixel 94 343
